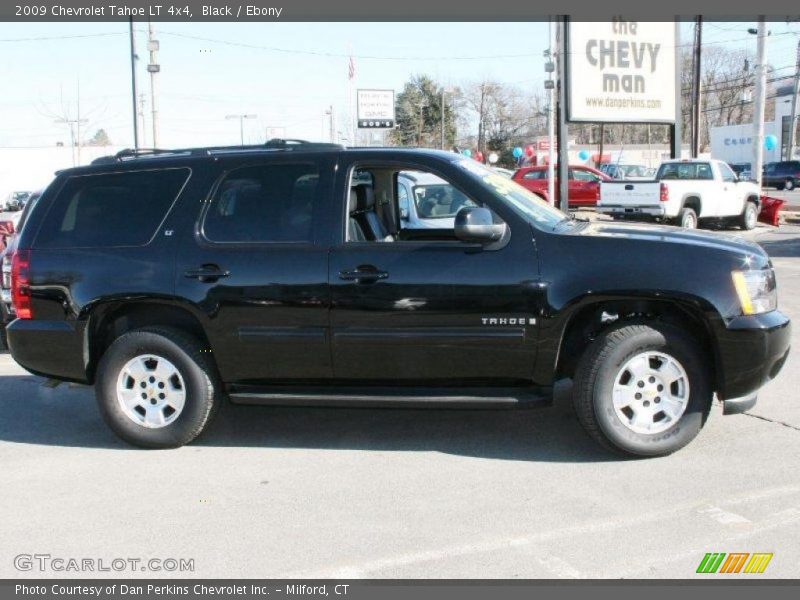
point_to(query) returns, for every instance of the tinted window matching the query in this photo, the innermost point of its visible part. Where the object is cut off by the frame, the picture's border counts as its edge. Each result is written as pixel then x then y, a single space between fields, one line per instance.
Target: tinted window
pixel 685 171
pixel 535 175
pixel 117 209
pixel 270 203
pixel 584 176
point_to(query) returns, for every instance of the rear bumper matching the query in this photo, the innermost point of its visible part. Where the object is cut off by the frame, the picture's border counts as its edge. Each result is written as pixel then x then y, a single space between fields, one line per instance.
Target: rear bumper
pixel 49 348
pixel 752 351
pixel 632 211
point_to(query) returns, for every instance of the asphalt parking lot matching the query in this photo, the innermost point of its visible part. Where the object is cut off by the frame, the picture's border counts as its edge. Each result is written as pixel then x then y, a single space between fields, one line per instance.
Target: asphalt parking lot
pixel 280 492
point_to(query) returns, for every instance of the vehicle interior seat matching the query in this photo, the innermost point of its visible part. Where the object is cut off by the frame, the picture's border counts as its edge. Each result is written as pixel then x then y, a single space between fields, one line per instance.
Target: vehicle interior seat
pixel 362 212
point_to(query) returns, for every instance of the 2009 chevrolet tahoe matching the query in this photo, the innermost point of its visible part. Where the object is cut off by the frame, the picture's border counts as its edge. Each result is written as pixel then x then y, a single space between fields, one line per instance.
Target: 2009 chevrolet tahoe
pixel 284 274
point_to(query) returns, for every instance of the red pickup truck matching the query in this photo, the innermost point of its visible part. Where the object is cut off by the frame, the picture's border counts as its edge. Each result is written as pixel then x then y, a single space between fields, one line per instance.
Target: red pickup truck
pixel 584 183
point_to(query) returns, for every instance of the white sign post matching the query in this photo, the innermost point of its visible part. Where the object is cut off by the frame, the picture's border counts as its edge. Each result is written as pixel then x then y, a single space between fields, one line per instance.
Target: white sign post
pixel 621 72
pixel 375 109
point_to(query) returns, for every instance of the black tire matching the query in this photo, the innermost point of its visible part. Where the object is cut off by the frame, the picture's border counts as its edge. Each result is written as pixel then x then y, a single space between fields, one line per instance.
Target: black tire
pixel 687 218
pixel 789 185
pixel 601 364
pixel 749 216
pixel 202 387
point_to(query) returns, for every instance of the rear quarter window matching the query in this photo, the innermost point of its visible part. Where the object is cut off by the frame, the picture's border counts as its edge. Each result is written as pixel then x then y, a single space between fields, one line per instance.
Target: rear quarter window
pixel 111 210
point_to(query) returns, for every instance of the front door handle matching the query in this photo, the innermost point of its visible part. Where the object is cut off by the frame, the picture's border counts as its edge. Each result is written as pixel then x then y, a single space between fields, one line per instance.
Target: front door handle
pixel 363 273
pixel 207 273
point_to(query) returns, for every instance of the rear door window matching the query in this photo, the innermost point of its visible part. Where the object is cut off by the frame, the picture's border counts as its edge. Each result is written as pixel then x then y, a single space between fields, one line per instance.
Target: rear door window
pixel 111 210
pixel 265 203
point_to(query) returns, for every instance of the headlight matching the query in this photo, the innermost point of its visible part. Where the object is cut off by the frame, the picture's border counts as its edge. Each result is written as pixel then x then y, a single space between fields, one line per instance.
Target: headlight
pixel 756 290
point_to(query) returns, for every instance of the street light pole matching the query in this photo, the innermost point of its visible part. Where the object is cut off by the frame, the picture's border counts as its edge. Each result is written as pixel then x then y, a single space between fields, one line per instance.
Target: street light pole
pixel 241 118
pixel 133 86
pixel 761 88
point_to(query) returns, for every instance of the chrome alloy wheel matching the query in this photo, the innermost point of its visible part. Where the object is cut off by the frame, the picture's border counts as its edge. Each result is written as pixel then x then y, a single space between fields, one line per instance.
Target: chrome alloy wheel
pixel 151 391
pixel 651 392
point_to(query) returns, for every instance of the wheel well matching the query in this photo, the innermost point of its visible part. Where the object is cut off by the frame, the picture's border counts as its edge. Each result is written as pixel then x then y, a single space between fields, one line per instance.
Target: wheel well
pixel 591 320
pixel 117 319
pixel 754 199
pixel 694 203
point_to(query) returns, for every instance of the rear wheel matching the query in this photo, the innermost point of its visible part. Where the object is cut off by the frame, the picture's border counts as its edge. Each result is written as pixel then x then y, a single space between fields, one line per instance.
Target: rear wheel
pixel 749 216
pixel 789 185
pixel 687 218
pixel 642 390
pixel 156 388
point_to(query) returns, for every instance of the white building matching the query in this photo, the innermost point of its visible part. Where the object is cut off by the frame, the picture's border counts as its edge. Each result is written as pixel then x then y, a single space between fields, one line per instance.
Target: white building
pixel 734 143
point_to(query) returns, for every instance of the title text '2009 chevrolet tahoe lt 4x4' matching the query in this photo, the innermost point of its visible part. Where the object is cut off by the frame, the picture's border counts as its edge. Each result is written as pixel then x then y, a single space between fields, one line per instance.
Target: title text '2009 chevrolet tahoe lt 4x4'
pixel 283 274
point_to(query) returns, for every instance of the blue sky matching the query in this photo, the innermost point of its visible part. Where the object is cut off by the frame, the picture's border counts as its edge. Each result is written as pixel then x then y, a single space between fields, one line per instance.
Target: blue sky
pixel 203 81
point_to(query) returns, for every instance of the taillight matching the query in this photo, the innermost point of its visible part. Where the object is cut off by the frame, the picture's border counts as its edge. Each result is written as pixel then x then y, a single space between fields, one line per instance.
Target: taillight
pixel 21 284
pixel 664 195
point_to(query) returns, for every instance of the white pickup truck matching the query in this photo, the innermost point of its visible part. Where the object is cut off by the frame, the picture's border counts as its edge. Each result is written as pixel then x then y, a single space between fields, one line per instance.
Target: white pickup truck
pixel 683 193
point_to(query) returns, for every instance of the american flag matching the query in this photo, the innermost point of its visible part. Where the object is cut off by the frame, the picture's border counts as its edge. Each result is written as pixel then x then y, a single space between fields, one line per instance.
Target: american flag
pixel 351 69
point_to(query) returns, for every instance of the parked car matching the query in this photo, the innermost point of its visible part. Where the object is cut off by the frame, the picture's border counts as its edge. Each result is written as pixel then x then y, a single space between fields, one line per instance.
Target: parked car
pixel 507 173
pixel 15 201
pixel 427 201
pixel 743 170
pixel 584 183
pixel 783 175
pixel 272 274
pixel 685 192
pixel 624 171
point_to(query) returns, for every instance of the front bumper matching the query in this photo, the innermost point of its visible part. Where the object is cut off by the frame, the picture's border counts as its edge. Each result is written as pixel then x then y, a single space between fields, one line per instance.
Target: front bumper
pixel 752 351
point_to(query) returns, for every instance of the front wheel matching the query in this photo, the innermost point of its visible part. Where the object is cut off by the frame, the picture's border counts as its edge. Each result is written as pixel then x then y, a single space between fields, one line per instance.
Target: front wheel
pixel 789 185
pixel 642 390
pixel 157 388
pixel 749 216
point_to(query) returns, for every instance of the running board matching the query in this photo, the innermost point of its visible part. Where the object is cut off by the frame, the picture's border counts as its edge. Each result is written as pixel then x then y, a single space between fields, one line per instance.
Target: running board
pixel 406 397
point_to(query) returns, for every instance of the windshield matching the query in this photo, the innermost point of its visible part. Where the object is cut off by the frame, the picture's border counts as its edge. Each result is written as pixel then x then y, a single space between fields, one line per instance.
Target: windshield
pixel 530 206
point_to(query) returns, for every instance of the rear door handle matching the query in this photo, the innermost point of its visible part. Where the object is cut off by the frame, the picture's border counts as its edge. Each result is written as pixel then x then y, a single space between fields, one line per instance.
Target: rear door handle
pixel 365 273
pixel 207 273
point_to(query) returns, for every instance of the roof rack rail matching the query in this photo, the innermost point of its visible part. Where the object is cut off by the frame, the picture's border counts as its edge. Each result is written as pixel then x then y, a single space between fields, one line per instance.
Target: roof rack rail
pixel 273 144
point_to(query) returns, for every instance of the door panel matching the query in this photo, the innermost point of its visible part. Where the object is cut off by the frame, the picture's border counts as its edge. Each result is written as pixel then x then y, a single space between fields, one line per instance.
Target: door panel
pixel 440 312
pixel 265 303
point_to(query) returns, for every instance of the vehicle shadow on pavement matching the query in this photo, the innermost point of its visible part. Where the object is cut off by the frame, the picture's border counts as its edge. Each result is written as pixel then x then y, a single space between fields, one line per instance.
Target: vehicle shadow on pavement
pixel 68 417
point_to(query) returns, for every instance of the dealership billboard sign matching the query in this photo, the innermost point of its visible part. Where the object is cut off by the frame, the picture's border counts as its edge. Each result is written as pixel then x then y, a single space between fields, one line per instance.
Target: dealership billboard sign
pixel 621 72
pixel 375 109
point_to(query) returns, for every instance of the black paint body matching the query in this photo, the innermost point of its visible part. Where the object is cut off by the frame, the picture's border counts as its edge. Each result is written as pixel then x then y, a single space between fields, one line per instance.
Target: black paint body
pixel 447 314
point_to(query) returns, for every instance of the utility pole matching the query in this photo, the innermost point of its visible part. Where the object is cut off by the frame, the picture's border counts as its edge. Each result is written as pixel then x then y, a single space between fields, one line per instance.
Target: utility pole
pixel 563 134
pixel 241 118
pixel 696 74
pixel 793 118
pixel 332 125
pixel 154 69
pixel 675 129
pixel 133 85
pixel 142 100
pixel 551 116
pixel 761 88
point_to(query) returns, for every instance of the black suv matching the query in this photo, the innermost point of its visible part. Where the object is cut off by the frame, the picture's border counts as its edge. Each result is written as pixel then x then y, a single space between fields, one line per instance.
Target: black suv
pixel 284 274
pixel 784 175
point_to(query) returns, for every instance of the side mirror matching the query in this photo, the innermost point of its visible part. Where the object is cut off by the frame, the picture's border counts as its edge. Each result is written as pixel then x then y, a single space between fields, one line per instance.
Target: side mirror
pixel 476 224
